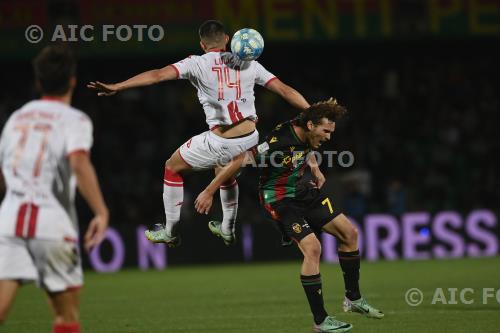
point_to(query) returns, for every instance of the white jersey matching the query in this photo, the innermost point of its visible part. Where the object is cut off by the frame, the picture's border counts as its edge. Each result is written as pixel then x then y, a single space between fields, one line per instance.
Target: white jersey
pixel 225 91
pixel 35 144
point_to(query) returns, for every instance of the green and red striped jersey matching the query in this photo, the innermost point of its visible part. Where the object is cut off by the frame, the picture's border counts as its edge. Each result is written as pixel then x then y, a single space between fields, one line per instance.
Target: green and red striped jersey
pixel 282 160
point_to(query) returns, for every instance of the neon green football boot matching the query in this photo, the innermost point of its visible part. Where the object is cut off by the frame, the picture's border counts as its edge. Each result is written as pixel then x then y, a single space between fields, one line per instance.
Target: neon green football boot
pixel 160 235
pixel 330 324
pixel 215 228
pixel 361 306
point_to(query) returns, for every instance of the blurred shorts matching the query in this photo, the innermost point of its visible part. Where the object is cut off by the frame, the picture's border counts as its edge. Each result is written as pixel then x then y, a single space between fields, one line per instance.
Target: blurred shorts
pixel 207 150
pixel 54 265
pixel 305 214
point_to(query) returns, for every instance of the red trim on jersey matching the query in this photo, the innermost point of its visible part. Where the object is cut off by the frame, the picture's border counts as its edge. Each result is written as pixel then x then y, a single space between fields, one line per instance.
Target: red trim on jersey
pixel 33 220
pixel 269 81
pixel 51 98
pixel 182 158
pixel 20 220
pixel 279 185
pixel 176 70
pixel 77 151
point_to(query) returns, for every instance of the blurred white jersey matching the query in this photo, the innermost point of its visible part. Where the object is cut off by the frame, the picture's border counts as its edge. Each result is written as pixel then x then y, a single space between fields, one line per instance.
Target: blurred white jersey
pixel 35 144
pixel 225 90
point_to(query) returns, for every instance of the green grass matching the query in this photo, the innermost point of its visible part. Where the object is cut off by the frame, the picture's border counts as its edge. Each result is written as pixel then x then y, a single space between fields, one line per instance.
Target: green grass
pixel 268 298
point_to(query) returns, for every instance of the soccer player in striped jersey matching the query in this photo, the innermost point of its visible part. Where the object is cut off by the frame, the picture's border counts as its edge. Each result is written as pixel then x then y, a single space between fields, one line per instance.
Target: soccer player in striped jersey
pixel 225 88
pixel 302 209
pixel 44 155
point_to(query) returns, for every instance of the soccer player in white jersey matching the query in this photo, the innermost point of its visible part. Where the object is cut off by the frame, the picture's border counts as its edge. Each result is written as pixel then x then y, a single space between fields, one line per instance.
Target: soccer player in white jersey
pixel 44 153
pixel 226 91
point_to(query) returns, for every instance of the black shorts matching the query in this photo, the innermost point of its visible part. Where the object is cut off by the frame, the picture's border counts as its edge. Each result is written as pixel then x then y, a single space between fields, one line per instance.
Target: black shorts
pixel 307 213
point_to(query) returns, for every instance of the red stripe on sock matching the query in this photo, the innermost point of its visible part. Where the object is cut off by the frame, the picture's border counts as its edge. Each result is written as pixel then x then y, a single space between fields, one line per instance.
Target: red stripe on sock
pixel 229 184
pixel 66 328
pixel 172 176
pixel 172 184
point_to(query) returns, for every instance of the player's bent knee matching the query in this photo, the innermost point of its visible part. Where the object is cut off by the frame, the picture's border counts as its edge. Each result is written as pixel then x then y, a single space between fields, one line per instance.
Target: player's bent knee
pixel 312 249
pixel 352 235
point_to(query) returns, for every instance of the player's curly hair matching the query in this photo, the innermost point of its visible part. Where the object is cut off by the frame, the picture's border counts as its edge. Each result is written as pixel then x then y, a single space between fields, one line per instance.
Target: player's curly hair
pixel 329 109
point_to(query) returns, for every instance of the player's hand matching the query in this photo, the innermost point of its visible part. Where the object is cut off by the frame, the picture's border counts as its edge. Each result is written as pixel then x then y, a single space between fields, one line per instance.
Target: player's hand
pixel 319 178
pixel 95 232
pixel 103 89
pixel 203 202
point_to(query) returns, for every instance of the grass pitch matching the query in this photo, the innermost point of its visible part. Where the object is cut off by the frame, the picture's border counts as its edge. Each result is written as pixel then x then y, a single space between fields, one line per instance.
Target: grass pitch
pixel 269 298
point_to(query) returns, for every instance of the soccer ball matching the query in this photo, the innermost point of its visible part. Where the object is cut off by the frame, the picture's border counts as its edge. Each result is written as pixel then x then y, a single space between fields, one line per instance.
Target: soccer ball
pixel 247 44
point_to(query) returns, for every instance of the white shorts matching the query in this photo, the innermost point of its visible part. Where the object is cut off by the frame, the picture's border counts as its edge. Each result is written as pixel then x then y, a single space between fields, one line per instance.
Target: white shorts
pixel 54 265
pixel 207 150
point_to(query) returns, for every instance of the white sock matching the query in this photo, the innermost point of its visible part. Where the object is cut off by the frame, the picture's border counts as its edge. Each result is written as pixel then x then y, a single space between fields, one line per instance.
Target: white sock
pixel 229 199
pixel 173 194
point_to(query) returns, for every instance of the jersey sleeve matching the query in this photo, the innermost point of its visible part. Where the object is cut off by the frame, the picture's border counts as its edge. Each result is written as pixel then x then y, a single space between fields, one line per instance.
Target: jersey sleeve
pixel 79 134
pixel 185 68
pixel 3 139
pixel 262 75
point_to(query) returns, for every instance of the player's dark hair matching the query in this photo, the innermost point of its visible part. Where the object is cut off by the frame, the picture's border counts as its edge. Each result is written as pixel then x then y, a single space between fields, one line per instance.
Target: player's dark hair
pixel 212 31
pixel 328 109
pixel 54 66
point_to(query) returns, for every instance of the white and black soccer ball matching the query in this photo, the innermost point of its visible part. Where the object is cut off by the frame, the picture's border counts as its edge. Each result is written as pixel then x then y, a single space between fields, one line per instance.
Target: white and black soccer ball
pixel 247 44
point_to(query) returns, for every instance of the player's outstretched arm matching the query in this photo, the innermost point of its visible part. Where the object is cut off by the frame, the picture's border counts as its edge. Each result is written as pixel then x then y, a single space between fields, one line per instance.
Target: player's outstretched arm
pixel 291 95
pixel 88 185
pixel 203 202
pixel 140 80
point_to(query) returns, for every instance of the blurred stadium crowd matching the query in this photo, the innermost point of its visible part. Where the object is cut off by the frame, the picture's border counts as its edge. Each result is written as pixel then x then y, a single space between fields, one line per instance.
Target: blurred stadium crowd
pixel 422 125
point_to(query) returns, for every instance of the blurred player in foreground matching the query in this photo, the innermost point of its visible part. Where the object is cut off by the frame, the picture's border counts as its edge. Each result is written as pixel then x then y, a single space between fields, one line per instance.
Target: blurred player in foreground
pixel 226 91
pixel 44 153
pixel 303 209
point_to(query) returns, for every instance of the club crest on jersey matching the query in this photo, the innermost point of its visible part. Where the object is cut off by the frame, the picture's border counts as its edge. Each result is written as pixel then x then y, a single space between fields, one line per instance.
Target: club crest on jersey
pixel 296 228
pixel 273 139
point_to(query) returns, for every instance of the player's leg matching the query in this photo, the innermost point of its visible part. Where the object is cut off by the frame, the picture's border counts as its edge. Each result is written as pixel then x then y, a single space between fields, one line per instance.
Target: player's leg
pixel 16 265
pixel 229 192
pixel 349 259
pixel 229 153
pixel 173 196
pixel 310 278
pixel 173 193
pixel 8 289
pixel 66 308
pixel 299 230
pixel 61 276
